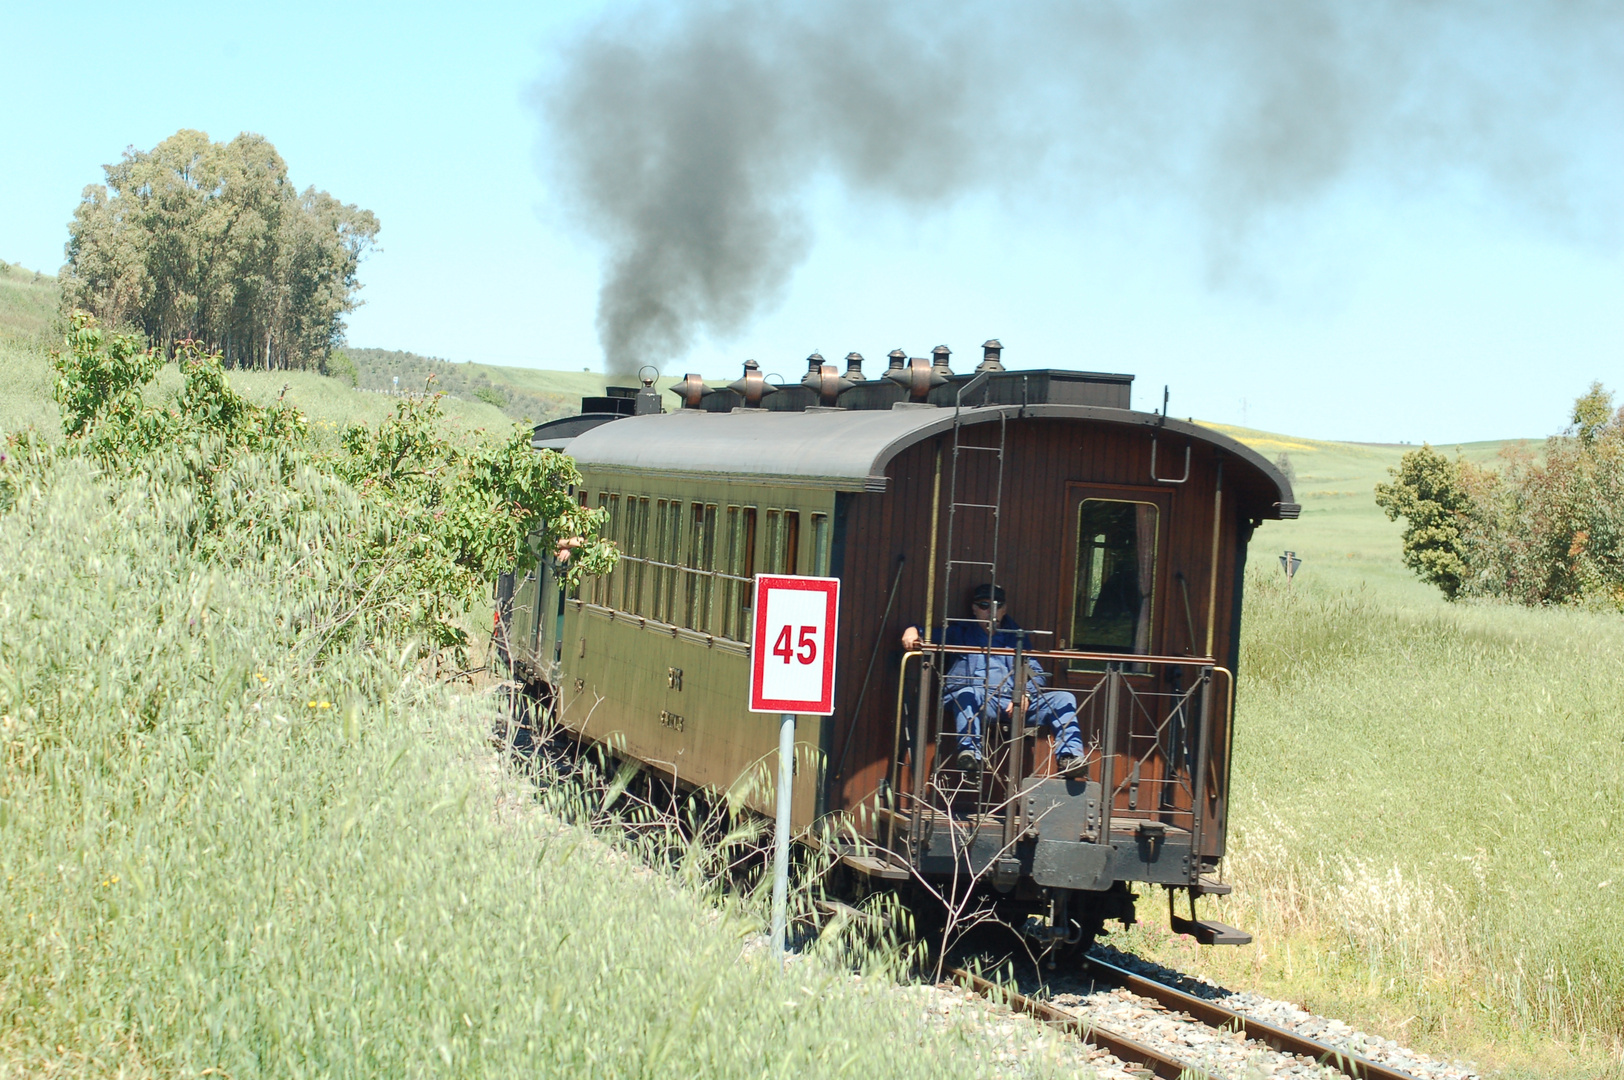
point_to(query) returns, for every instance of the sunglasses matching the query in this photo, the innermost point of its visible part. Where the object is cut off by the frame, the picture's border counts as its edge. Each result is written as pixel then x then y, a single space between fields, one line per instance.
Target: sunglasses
pixel 985 605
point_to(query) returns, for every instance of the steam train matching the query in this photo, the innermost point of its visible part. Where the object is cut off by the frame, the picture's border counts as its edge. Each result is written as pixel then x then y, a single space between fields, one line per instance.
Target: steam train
pixel 1119 537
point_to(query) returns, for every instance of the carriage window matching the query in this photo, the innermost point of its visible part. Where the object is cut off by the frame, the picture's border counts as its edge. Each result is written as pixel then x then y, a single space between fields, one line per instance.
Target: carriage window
pixel 668 554
pixel 792 543
pixel 1116 573
pixel 783 541
pixel 637 547
pixel 700 583
pixel 741 568
pixel 820 545
pixel 603 587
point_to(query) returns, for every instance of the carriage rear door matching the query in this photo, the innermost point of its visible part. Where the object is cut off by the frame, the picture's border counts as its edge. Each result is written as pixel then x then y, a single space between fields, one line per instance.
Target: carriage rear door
pixel 1114 601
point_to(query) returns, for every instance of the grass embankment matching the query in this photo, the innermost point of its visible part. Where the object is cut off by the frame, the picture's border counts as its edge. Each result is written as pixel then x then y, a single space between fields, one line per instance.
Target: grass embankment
pixel 221 857
pixel 1428 796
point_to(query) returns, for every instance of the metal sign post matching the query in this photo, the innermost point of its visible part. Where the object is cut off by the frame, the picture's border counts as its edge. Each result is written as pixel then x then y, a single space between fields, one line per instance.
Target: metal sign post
pixel 1289 562
pixel 786 784
pixel 792 671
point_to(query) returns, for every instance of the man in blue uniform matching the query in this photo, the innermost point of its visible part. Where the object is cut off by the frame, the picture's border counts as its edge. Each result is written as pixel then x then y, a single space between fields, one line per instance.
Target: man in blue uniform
pixel 980 687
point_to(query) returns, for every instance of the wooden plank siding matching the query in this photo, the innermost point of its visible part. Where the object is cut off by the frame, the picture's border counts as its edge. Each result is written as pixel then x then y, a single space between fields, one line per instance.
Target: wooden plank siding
pixel 1044 460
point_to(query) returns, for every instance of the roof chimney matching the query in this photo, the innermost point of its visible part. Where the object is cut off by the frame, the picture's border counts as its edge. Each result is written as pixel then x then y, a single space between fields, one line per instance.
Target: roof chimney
pixel 991 350
pixel 854 368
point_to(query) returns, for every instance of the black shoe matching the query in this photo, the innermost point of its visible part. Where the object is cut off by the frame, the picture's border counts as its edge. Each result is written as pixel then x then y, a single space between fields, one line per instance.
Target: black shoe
pixel 1067 764
pixel 967 761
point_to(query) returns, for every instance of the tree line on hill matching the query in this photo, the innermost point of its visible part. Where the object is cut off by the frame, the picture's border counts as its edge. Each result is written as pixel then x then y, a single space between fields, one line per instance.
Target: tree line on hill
pixel 1536 531
pixel 205 241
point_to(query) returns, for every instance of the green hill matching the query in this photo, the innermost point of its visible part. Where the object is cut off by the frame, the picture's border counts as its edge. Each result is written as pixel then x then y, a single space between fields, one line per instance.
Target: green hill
pixel 1343 537
pixel 527 395
pixel 28 304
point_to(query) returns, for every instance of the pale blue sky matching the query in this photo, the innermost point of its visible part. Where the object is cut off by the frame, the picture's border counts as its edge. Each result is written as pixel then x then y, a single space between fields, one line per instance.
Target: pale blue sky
pixel 1380 311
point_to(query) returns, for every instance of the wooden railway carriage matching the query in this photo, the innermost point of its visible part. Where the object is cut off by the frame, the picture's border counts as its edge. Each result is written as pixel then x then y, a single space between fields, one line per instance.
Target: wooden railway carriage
pixel 1120 537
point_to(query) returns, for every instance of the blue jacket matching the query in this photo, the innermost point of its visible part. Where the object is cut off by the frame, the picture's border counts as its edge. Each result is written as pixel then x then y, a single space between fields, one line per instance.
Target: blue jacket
pixel 996 673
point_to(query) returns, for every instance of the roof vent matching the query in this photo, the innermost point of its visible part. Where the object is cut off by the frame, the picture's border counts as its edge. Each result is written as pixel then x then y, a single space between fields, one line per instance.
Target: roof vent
pixel 752 386
pixel 854 368
pixel 991 350
pixel 938 360
pixel 916 375
pixel 824 380
pixel 691 391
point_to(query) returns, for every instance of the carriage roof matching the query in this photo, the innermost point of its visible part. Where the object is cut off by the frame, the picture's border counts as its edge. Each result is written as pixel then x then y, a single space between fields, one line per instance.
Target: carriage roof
pixel 848 450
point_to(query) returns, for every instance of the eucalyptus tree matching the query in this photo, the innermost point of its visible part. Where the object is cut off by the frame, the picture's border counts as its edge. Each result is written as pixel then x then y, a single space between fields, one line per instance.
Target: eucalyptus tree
pixel 212 242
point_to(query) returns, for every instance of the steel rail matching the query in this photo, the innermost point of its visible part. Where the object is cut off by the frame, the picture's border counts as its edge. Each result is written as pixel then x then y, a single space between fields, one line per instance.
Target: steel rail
pixel 1206 1012
pixel 1213 1015
pixel 1123 1047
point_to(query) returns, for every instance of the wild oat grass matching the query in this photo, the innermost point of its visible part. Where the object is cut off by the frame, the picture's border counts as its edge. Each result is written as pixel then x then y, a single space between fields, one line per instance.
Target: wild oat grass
pixel 221 860
pixel 1428 799
pixel 1463 767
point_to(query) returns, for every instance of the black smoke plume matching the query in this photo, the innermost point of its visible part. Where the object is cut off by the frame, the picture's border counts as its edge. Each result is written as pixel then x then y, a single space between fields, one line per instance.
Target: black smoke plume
pixel 686 138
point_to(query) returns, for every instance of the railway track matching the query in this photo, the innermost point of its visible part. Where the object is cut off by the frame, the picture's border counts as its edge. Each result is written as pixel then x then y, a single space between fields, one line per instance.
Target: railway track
pixel 1138 1054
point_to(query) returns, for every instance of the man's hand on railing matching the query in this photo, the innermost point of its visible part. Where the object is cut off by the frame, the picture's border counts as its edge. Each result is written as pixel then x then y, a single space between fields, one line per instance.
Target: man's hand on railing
pixel 911 638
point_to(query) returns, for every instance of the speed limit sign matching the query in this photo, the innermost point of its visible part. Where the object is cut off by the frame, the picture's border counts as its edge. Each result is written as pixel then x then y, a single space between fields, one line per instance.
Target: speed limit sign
pixel 792 663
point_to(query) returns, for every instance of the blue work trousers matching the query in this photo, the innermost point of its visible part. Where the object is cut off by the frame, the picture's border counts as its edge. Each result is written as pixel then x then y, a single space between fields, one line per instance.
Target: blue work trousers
pixel 1055 710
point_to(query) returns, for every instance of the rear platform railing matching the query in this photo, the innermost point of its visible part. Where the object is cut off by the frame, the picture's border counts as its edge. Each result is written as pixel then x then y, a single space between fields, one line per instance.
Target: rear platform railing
pixel 1148 725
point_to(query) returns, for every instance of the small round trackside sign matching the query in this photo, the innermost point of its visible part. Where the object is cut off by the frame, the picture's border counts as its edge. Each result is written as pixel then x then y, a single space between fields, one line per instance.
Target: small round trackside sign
pixel 792 656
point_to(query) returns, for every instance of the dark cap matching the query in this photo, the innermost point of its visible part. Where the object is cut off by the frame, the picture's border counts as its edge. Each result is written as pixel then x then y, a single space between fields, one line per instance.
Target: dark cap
pixel 988 592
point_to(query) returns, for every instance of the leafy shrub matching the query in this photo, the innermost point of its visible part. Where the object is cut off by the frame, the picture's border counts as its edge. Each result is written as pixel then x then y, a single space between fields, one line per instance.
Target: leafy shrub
pixel 1544 530
pixel 1551 531
pixel 339 366
pixel 435 520
pixel 1429 492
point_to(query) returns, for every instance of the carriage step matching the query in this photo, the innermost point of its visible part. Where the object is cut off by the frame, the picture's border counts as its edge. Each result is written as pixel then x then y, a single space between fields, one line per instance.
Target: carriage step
pixel 869 866
pixel 1209 932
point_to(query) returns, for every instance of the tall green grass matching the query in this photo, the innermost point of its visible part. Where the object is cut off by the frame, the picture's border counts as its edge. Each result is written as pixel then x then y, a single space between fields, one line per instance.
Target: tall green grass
pixel 1428 796
pixel 223 859
pixel 1441 794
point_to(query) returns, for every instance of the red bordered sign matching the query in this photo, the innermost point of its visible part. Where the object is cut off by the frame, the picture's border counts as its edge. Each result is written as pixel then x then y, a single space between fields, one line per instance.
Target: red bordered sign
pixel 792 656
